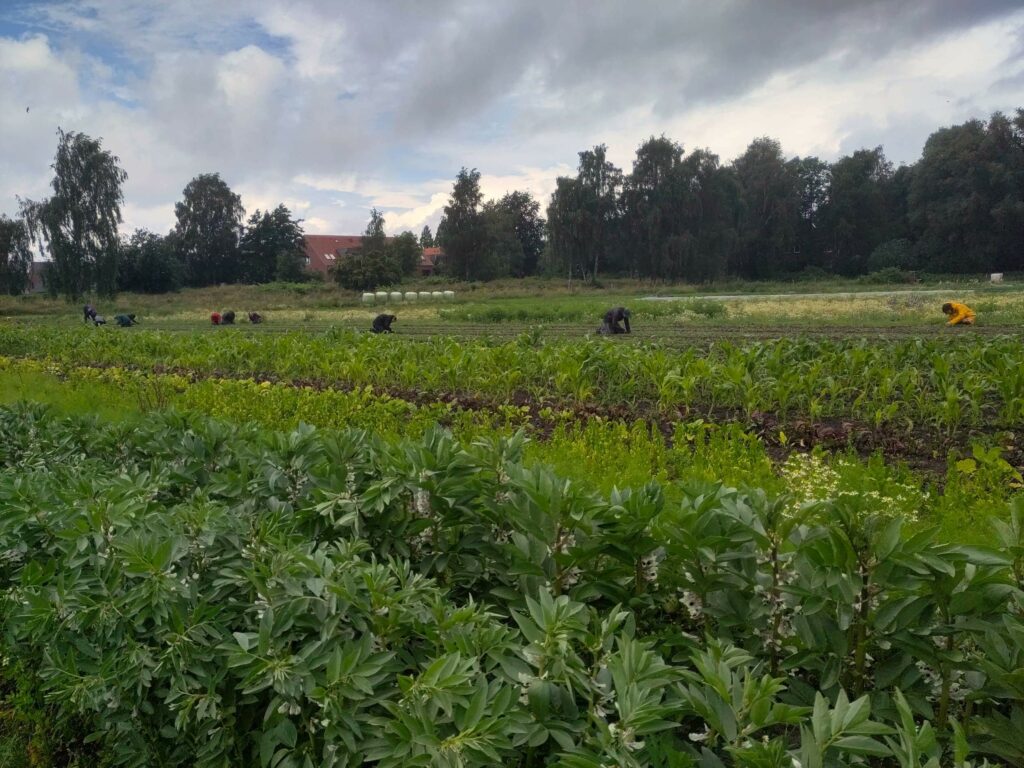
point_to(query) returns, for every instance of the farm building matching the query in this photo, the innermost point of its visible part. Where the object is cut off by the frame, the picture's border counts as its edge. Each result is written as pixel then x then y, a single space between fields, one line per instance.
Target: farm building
pixel 430 260
pixel 324 251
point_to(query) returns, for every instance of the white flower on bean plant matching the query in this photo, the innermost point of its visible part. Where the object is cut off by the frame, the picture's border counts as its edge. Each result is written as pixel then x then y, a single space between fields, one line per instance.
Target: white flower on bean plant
pixel 700 736
pixel 421 503
pixel 692 602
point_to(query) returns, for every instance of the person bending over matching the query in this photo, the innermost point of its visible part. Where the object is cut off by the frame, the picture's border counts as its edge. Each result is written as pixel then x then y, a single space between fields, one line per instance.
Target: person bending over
pixel 612 320
pixel 255 318
pixel 958 314
pixel 228 318
pixel 215 318
pixel 89 313
pixel 125 320
pixel 382 323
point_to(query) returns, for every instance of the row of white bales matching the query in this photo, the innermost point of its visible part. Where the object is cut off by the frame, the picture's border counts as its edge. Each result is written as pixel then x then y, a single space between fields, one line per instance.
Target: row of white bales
pixel 383 297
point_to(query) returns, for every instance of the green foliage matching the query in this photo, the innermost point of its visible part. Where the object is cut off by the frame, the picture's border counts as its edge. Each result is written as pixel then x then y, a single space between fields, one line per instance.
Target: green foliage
pixel 207 232
pixel 406 252
pixel 523 211
pixel 966 204
pixel 462 232
pixel 15 256
pixel 892 254
pixel 189 593
pixel 272 247
pixel 78 223
pixel 360 271
pixel 889 276
pixel 378 262
pixel 149 263
pixel 936 386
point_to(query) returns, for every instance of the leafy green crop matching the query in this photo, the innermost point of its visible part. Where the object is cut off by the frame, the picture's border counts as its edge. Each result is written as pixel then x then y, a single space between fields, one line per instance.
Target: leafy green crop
pixel 943 386
pixel 204 594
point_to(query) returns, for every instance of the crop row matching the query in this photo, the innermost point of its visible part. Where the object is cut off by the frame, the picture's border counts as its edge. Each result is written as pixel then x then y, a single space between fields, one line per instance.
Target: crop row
pixel 605 453
pixel 944 384
pixel 191 593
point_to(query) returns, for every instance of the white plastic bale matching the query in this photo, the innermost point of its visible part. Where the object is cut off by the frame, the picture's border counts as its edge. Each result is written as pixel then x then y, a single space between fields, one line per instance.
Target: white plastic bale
pixel 410 295
pixel 368 298
pixel 396 296
pixel 425 295
pixel 437 294
pixel 382 297
pixel 997 277
pixel 449 295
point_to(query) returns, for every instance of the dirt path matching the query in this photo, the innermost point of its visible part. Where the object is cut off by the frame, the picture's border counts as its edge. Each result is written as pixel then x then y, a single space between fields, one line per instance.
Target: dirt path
pixel 836 295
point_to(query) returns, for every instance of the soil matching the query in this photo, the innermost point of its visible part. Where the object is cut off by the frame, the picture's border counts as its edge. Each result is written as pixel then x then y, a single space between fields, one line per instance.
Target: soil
pixel 923 448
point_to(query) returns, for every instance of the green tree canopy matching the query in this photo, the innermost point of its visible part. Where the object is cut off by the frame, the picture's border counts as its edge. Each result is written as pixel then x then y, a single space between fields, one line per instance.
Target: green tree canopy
pixel 149 263
pixel 79 222
pixel 208 231
pixel 375 262
pixel 406 252
pixel 463 232
pixel 523 211
pixel 15 256
pixel 272 247
pixel 426 238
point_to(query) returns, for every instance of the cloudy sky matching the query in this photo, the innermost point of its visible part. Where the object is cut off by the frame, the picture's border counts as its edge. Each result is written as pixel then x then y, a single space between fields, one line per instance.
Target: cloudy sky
pixel 333 106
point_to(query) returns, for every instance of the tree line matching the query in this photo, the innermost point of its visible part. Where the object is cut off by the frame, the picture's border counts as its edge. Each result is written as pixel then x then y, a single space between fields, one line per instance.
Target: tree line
pixel 688 216
pixel 209 244
pixel 676 215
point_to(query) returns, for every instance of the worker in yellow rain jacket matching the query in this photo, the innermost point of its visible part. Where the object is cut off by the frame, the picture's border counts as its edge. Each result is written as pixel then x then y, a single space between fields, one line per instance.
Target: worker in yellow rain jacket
pixel 958 313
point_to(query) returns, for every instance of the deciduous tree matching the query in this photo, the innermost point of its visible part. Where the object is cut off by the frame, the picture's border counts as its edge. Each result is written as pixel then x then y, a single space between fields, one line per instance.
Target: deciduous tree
pixel 208 231
pixel 79 222
pixel 15 256
pixel 149 263
pixel 463 234
pixel 272 247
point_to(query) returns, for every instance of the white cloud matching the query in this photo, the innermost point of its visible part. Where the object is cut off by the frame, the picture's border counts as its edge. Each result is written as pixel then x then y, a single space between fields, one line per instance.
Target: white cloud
pixel 335 109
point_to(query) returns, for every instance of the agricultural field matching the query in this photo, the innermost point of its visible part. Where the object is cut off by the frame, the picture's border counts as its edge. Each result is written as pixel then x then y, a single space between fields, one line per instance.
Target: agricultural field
pixel 759 531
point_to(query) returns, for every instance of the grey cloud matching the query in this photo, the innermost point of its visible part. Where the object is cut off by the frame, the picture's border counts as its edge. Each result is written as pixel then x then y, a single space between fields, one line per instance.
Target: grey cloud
pixel 428 86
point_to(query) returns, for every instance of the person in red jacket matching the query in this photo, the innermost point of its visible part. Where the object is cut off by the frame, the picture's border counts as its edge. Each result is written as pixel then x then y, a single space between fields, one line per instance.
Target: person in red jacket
pixel 215 318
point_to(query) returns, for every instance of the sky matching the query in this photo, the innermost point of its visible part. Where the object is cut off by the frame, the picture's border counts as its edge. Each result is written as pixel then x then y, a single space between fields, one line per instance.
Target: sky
pixel 334 107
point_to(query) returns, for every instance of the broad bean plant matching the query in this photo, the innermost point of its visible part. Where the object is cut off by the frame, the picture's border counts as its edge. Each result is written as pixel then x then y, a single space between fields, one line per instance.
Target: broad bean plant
pixel 191 593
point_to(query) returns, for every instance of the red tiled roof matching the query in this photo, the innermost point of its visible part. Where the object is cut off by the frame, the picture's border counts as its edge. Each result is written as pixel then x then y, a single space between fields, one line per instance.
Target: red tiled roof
pixel 429 259
pixel 322 251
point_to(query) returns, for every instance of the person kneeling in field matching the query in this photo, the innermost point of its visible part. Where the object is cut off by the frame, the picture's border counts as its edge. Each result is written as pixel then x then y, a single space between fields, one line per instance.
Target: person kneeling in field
pixel 228 318
pixel 612 318
pixel 215 318
pixel 99 320
pixel 89 312
pixel 125 320
pixel 959 314
pixel 382 323
pixel 255 317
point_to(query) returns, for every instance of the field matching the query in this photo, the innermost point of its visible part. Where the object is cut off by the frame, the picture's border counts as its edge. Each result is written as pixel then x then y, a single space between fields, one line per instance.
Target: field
pixel 761 530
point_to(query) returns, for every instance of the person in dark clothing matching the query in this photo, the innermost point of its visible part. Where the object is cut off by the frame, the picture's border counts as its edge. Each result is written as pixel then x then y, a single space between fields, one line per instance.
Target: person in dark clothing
pixel 255 318
pixel 89 313
pixel 382 323
pixel 228 318
pixel 612 318
pixel 125 321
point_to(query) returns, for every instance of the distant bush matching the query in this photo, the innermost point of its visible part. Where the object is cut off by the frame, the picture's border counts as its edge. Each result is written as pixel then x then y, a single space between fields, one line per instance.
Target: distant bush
pixel 888 276
pixel 367 271
pixel 892 254
pixel 812 274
